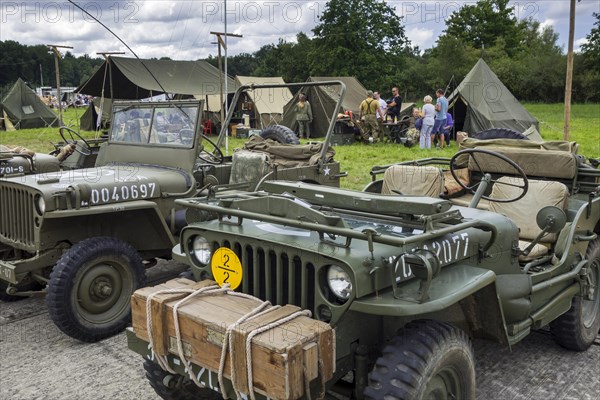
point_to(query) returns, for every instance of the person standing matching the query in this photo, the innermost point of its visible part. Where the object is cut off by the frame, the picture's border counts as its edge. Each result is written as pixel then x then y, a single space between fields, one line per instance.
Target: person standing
pixel 428 122
pixel 304 116
pixel 394 105
pixel 441 109
pixel 381 111
pixel 368 113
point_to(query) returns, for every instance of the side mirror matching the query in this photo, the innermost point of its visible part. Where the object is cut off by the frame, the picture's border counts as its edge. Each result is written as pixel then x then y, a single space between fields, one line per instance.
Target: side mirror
pixel 551 219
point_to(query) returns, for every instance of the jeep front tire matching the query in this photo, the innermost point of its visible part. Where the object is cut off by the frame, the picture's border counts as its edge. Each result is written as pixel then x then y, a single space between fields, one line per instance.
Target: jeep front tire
pixel 90 288
pixel 429 360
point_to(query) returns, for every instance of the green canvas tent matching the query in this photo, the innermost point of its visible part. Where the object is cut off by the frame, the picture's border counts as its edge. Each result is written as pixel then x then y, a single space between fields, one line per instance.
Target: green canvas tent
pixel 267 104
pixel 323 99
pixel 131 78
pixel 89 119
pixel 24 109
pixel 481 101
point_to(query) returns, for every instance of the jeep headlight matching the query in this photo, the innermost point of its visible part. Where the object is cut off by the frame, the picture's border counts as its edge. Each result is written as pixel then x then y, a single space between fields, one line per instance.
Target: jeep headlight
pixel 201 250
pixel 339 282
pixel 40 204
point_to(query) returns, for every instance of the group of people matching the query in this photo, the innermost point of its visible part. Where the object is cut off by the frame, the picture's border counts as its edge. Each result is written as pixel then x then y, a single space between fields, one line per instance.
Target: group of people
pixel 374 112
pixel 433 123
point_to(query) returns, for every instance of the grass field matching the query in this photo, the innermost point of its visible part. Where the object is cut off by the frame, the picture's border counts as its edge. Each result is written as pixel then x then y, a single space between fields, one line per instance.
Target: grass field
pixel 358 159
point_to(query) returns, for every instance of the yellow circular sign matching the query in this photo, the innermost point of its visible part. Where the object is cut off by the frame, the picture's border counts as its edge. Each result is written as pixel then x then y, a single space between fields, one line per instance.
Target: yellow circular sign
pixel 226 268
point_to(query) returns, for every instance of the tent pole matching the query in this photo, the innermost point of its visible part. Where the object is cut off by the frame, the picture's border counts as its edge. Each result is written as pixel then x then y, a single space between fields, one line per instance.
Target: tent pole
pixel 569 79
pixel 58 56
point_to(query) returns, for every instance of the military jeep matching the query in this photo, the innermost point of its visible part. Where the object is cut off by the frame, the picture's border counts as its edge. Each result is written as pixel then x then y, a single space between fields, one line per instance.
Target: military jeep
pixel 72 152
pixel 85 236
pixel 406 277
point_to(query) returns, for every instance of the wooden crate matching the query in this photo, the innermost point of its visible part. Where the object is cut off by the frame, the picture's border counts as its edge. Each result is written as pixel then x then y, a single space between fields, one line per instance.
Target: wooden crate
pixel 280 356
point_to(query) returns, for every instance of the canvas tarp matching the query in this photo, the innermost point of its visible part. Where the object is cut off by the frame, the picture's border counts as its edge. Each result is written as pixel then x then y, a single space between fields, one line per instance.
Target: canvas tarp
pixel 322 100
pixel 481 101
pixel 25 109
pixel 268 102
pixel 131 79
pixel 89 119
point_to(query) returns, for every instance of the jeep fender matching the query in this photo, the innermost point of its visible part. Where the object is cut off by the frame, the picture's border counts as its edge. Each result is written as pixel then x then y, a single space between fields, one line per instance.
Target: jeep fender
pixel 470 288
pixel 139 223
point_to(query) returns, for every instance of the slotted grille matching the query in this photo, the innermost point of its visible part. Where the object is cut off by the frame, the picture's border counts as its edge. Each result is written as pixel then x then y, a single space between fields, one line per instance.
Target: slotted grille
pixel 275 275
pixel 16 215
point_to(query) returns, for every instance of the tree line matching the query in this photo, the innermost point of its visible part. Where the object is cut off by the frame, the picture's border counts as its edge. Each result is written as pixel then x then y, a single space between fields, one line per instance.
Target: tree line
pixel 366 39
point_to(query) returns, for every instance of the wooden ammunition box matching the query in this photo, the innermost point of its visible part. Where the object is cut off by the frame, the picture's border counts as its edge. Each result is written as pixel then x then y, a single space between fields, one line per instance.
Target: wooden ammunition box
pixel 281 356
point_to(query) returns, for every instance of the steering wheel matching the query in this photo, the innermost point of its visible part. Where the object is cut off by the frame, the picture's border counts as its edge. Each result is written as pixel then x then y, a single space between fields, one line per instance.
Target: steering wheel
pixel 214 157
pixel 86 150
pixel 471 152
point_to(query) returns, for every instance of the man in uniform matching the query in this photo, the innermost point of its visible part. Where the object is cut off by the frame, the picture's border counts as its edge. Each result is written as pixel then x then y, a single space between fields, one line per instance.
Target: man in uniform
pixel 368 114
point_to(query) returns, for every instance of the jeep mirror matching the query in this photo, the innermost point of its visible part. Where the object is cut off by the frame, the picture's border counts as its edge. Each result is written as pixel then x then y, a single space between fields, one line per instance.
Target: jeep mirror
pixel 551 219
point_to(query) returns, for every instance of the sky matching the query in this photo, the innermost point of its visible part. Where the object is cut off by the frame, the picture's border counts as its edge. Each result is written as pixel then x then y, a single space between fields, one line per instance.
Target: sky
pixel 181 29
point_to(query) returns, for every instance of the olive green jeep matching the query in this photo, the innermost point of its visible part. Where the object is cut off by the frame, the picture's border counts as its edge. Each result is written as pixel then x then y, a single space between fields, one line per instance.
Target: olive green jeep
pixel 84 237
pixel 72 152
pixel 493 243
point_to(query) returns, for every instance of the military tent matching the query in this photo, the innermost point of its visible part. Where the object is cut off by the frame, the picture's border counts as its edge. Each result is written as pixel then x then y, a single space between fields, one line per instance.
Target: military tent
pixel 131 78
pixel 266 105
pixel 24 109
pixel 323 99
pixel 89 119
pixel 481 101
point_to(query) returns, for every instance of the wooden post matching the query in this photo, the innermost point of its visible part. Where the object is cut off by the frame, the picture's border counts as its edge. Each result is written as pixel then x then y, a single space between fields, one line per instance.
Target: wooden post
pixel 57 57
pixel 222 44
pixel 569 80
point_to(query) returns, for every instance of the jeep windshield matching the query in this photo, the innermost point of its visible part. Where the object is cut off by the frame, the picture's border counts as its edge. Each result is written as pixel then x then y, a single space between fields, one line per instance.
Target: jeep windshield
pixel 169 125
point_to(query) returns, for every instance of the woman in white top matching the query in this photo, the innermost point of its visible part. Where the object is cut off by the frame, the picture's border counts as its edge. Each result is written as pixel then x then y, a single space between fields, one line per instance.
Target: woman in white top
pixel 428 121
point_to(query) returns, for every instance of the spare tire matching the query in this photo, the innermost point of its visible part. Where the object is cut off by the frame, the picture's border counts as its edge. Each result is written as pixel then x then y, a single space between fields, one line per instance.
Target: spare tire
pixel 499 133
pixel 280 133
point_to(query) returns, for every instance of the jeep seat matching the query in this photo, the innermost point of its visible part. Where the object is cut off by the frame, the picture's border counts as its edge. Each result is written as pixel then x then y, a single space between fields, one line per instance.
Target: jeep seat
pixel 411 180
pixel 524 211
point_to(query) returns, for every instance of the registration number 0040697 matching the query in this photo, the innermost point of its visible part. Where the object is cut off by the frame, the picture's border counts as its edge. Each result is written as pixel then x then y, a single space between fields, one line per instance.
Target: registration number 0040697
pixel 112 194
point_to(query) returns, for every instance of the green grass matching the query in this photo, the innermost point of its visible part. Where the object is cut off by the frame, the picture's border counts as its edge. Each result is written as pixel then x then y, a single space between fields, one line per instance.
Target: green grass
pixel 357 159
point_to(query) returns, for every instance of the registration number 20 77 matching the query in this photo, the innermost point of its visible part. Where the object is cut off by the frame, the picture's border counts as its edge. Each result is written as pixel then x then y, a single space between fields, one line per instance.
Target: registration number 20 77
pixel 112 194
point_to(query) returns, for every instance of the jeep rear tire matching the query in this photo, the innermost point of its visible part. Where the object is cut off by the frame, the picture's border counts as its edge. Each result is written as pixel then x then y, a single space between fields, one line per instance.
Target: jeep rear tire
pixel 90 288
pixel 170 387
pixel 499 133
pixel 577 328
pixel 429 360
pixel 280 133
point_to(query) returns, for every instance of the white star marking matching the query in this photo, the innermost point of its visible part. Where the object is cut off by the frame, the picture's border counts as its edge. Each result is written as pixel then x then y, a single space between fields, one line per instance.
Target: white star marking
pixel 326 171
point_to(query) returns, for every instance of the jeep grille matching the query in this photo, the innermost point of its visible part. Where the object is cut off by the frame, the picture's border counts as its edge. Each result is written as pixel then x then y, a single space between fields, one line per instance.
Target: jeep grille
pixel 276 276
pixel 16 215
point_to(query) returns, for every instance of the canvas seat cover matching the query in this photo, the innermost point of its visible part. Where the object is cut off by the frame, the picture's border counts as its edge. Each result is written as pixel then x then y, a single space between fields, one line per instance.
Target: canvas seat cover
pixel 524 211
pixel 413 180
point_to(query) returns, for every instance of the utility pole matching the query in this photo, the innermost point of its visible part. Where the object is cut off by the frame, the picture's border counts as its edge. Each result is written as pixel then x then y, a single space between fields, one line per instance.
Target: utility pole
pixel 106 55
pixel 222 44
pixel 57 57
pixel 569 80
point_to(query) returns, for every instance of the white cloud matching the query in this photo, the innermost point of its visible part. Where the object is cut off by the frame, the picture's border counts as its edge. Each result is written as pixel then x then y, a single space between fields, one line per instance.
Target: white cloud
pixel 578 43
pixel 421 37
pixel 548 22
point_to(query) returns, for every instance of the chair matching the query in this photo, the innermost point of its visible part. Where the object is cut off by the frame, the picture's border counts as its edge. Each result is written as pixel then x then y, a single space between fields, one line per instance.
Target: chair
pixel 524 211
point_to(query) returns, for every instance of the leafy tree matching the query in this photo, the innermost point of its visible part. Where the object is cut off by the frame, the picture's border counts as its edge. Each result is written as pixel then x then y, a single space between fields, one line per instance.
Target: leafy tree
pixel 591 49
pixel 362 38
pixel 482 23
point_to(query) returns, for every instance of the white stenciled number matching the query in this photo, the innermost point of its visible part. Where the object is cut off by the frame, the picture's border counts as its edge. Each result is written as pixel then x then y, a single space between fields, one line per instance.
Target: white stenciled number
pixel 447 251
pixel 465 237
pixel 105 195
pixel 115 194
pixel 134 192
pixel 144 191
pixel 95 196
pixel 125 192
pixel 152 187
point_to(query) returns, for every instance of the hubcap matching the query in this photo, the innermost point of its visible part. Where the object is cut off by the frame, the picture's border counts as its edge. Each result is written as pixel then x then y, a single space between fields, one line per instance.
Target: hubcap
pixel 101 290
pixel 446 385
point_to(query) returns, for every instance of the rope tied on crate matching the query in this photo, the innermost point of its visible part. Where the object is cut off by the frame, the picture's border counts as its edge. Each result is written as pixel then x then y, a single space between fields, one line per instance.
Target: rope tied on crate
pixel 227 345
